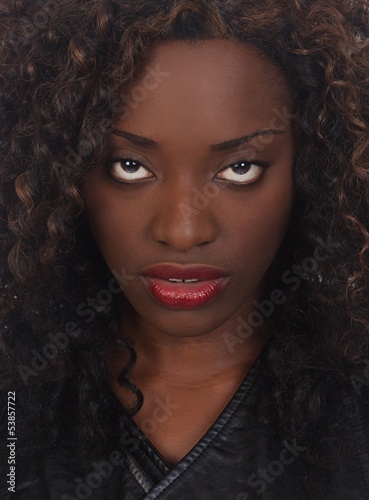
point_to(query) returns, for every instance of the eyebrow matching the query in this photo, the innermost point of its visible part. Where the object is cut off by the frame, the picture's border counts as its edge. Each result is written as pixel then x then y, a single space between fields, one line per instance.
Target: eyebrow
pixel 222 146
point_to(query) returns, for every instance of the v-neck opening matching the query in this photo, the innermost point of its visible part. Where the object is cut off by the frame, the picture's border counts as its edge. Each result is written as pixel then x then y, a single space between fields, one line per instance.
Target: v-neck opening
pixel 145 446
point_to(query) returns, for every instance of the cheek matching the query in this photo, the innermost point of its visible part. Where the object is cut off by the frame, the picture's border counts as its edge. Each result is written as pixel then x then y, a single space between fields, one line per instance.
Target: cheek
pixel 114 234
pixel 259 229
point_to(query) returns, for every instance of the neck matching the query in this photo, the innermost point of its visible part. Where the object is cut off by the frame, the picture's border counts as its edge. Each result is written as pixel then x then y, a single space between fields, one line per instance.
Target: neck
pixel 190 360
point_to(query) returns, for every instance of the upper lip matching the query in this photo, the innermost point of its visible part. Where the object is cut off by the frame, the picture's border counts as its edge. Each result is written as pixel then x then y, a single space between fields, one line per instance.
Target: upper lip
pixel 172 271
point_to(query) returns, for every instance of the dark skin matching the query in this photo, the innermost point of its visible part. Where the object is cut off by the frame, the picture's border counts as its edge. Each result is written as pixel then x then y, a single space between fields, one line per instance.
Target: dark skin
pixel 214 91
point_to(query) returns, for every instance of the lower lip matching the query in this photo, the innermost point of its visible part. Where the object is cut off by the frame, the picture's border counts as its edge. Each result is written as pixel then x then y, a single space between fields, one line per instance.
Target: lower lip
pixel 186 295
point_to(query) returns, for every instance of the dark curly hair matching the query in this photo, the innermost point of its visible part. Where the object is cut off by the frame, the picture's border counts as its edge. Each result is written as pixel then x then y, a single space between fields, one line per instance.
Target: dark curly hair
pixel 63 66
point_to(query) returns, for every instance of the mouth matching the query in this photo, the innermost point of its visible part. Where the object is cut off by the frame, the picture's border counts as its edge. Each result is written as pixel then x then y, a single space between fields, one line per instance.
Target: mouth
pixel 185 287
pixel 175 280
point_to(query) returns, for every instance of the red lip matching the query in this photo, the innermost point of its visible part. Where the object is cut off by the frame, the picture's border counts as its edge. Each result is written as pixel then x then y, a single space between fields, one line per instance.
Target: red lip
pixel 180 295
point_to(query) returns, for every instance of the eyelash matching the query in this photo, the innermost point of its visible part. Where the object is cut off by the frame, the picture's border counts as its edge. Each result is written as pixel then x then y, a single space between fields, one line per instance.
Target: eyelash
pixel 109 163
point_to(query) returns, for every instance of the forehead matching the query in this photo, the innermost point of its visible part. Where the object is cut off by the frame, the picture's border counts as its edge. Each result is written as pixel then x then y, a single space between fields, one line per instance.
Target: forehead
pixel 209 84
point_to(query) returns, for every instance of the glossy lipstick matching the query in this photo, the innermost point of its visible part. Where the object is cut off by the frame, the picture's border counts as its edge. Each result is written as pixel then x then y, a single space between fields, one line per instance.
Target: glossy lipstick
pixel 185 287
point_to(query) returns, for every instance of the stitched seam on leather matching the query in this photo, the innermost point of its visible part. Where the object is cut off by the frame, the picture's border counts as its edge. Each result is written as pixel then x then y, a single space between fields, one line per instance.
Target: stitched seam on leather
pixel 160 466
pixel 247 389
pixel 132 459
pixel 141 449
pixel 141 445
pixel 145 448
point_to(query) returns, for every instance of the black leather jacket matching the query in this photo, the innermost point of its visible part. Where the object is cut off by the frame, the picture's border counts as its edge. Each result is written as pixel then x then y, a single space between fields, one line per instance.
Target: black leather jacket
pixel 239 458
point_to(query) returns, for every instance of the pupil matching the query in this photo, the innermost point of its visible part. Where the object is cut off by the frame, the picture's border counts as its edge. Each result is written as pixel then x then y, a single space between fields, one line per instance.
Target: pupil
pixel 241 168
pixel 131 166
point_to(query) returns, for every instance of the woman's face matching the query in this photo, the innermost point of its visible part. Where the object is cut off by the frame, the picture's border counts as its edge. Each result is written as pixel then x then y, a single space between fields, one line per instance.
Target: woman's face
pixel 201 174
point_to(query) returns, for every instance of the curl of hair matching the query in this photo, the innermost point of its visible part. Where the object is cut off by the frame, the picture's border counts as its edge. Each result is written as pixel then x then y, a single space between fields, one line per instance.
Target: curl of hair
pixel 62 71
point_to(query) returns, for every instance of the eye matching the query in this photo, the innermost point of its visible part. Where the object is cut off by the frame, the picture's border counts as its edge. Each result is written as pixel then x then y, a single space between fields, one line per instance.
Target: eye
pixel 243 172
pixel 128 170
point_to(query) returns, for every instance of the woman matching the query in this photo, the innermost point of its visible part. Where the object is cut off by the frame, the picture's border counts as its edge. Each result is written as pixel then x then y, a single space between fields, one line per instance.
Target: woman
pixel 185 249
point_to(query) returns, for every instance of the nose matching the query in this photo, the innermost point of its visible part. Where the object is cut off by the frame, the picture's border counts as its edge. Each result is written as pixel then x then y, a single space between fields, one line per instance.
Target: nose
pixel 183 219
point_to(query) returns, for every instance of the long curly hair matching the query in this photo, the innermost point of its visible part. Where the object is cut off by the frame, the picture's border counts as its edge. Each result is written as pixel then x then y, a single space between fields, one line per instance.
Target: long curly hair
pixel 63 66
